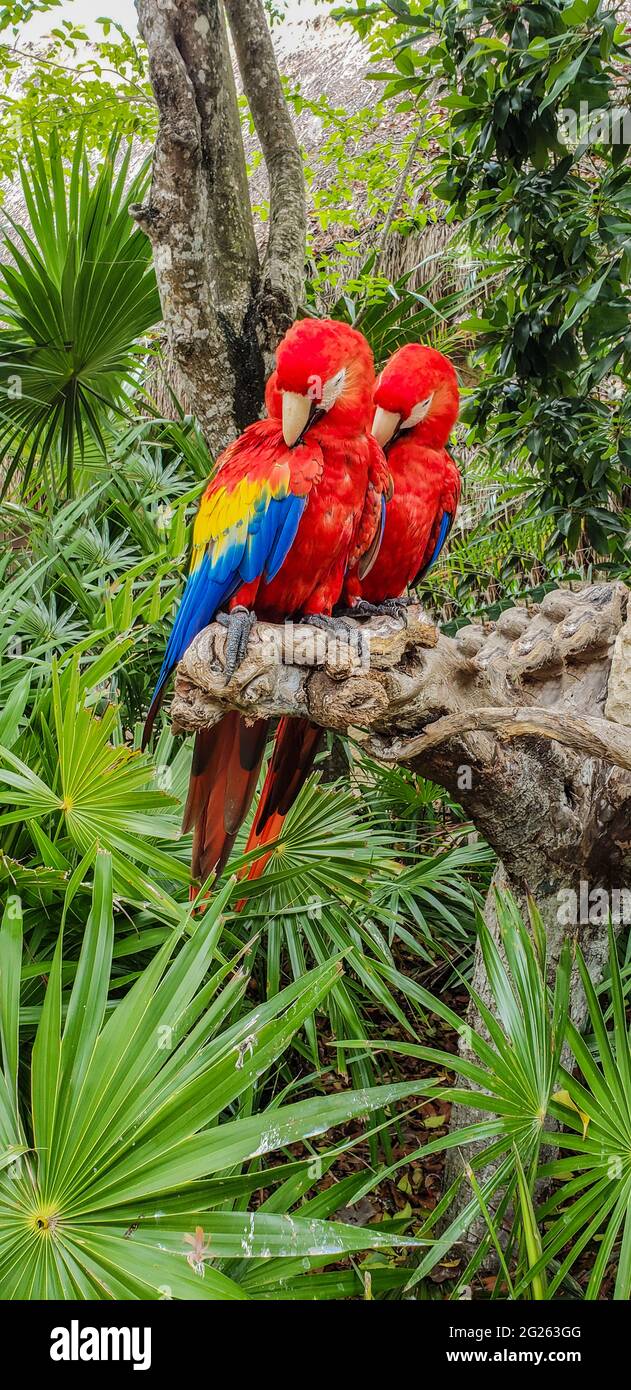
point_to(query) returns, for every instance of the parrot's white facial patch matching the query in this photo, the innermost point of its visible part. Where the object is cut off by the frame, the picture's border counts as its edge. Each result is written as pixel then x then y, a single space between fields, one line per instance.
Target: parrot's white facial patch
pixel 418 413
pixel 332 389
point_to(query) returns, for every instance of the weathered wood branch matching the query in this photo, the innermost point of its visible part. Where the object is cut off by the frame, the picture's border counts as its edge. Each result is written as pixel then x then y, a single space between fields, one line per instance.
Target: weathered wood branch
pixel 599 738
pixel 521 720
pixel 301 670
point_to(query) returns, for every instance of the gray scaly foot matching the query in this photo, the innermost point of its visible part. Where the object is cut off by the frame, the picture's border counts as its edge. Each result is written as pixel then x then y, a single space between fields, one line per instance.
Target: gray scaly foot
pixel 239 623
pixel 390 608
pixel 338 628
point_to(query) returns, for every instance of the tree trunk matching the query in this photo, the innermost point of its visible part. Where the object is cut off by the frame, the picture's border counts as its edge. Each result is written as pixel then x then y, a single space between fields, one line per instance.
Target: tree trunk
pixel 225 307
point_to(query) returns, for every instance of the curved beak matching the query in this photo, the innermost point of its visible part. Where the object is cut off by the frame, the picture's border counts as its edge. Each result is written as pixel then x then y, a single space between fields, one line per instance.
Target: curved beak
pixel 384 425
pixel 296 412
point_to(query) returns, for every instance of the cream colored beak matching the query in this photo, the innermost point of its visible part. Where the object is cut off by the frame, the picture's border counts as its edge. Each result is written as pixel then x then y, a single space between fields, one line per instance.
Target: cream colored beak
pixel 384 425
pixel 296 411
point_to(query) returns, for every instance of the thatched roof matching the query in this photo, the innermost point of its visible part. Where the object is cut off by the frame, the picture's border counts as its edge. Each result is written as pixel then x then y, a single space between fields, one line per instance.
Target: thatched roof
pixel 327 60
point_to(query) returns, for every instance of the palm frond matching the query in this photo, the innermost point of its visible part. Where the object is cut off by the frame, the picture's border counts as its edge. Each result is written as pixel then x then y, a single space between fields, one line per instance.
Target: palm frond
pixel 76 299
pixel 124 1175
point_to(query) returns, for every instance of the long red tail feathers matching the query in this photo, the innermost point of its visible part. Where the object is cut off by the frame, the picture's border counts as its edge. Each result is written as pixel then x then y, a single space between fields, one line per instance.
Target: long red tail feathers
pixel 224 774
pixel 297 742
pixel 273 827
pixel 295 747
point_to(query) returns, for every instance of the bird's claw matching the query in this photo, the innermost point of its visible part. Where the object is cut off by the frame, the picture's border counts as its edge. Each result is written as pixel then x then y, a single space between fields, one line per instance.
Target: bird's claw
pixel 346 636
pixel 391 608
pixel 239 623
pixel 335 625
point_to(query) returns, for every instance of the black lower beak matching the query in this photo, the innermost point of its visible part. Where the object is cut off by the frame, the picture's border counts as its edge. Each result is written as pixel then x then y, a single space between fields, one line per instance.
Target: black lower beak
pixel 316 412
pixel 392 440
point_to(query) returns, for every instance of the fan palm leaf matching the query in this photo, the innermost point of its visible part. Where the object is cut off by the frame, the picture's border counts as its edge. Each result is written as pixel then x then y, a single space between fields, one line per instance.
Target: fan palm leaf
pixel 76 297
pixel 120 1177
pixel 592 1196
pixel 510 1075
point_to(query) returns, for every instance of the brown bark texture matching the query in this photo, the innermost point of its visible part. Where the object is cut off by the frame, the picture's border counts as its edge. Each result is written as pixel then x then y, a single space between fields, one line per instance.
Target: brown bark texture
pixel 225 306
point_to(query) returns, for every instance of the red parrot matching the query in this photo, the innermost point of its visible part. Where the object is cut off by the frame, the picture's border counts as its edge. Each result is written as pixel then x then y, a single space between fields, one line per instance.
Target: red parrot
pixel 294 501
pixel 417 403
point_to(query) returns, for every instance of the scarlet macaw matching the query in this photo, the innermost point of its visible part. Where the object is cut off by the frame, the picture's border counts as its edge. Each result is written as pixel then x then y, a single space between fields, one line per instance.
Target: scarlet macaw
pixel 417 402
pixel 295 500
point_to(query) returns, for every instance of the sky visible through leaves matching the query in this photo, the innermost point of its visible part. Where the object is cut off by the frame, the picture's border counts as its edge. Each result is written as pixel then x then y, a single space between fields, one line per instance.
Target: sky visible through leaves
pixel 123 12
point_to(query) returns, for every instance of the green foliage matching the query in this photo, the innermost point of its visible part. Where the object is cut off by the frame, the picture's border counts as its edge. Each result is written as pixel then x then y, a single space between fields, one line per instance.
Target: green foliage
pixel 510 1073
pixel 20 11
pixel 81 790
pixel 69 83
pixel 339 879
pixel 126 1172
pixel 554 339
pixel 390 314
pixel 81 641
pixel 350 177
pixel 529 1066
pixel 76 300
pixel 592 1196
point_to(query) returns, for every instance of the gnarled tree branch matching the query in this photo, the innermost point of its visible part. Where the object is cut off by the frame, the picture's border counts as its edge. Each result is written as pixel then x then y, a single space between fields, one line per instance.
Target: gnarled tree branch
pixel 509 717
pixel 598 738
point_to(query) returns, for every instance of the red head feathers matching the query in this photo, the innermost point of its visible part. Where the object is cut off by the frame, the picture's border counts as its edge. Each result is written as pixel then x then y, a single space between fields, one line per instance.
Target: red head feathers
pixel 324 372
pixel 416 391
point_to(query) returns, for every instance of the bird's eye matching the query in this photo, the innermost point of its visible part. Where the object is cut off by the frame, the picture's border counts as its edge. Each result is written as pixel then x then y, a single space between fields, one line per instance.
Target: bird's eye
pixel 418 413
pixel 332 389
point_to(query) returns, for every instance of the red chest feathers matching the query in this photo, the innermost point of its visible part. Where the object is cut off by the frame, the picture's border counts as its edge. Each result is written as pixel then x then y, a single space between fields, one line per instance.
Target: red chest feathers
pixel 311 577
pixel 420 477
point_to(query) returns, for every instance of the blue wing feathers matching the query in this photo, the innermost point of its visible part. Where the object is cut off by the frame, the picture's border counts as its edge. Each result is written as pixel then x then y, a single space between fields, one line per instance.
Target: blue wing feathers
pixel 292 510
pixel 442 536
pixel 260 539
pixel 259 547
pixel 253 546
pixel 202 597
